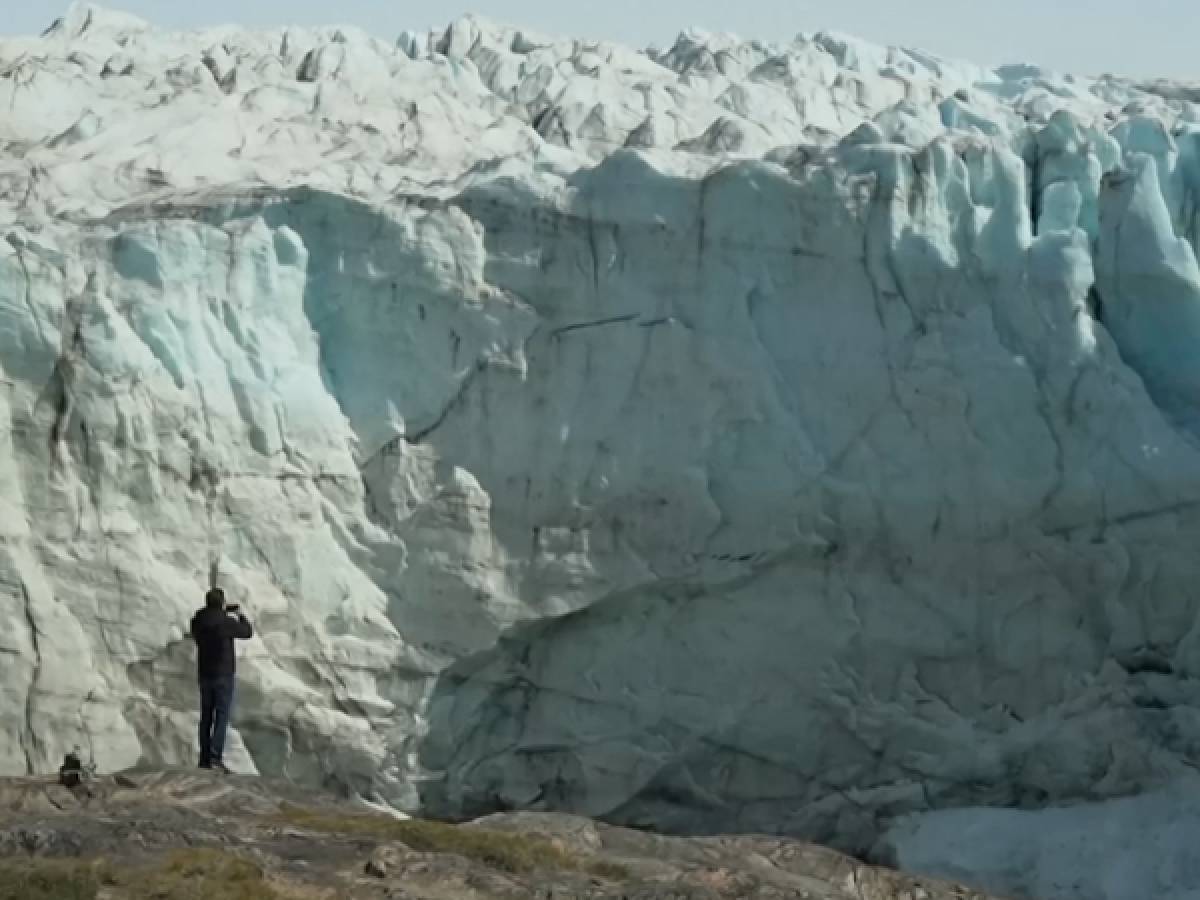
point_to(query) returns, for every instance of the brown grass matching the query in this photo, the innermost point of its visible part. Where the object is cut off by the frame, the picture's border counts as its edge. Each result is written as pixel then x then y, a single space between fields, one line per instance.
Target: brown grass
pixel 38 879
pixel 194 874
pixel 199 874
pixel 606 868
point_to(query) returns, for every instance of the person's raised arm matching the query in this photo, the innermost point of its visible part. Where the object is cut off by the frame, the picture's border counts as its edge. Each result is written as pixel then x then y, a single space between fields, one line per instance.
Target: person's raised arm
pixel 240 627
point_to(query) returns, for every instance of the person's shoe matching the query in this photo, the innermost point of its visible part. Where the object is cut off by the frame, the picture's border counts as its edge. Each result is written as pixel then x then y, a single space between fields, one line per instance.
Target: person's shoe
pixel 204 764
pixel 220 767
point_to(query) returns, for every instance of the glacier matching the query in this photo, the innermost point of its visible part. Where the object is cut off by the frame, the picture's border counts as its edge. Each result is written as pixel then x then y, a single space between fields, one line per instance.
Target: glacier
pixel 795 437
pixel 1139 846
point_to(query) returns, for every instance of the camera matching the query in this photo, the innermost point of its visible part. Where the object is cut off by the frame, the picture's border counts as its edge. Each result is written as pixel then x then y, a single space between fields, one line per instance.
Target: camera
pixel 233 608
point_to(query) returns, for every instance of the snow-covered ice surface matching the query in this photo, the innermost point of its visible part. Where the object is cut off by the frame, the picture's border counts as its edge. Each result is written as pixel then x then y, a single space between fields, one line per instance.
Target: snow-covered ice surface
pixel 746 436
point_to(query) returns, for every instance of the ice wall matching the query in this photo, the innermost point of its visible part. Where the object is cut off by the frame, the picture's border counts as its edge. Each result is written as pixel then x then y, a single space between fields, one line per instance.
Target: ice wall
pixel 743 436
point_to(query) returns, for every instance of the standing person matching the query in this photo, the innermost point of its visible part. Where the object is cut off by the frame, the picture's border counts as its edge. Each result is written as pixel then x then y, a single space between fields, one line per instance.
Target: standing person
pixel 214 629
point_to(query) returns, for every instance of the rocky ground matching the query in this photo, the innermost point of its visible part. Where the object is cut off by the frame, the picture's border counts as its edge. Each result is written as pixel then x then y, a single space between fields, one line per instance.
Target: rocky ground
pixel 176 835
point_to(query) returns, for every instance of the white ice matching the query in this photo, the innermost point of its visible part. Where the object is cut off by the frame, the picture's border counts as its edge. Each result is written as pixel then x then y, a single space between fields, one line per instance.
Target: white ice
pixel 791 435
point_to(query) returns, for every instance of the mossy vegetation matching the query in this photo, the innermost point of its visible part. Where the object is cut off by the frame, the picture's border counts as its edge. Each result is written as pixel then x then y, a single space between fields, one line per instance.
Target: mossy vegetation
pixel 204 874
pixel 503 850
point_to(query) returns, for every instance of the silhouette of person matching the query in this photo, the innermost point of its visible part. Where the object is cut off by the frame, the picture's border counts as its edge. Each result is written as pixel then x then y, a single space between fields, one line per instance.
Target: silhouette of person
pixel 214 629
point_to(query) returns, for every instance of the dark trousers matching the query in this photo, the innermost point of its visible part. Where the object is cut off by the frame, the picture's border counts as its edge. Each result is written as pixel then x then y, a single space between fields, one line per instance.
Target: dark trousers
pixel 216 705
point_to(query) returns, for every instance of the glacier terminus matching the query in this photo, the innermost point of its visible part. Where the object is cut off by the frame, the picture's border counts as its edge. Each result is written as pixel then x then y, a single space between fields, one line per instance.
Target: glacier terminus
pixel 796 437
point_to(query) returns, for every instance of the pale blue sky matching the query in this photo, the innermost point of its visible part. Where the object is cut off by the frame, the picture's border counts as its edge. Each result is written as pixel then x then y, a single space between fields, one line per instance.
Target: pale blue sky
pixel 1149 37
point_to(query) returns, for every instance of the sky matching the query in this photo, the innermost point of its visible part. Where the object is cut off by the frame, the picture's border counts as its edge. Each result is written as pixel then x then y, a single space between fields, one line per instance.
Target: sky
pixel 1150 37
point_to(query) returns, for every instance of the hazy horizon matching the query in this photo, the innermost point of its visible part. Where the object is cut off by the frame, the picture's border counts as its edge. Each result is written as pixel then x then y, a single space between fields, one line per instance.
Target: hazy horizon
pixel 1157 41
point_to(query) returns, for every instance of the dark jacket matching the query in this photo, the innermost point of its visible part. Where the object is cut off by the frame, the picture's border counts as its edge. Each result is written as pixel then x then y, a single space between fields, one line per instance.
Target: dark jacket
pixel 214 632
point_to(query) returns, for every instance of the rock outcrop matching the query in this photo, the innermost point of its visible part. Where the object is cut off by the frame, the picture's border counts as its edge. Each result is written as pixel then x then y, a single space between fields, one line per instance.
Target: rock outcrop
pixel 170 834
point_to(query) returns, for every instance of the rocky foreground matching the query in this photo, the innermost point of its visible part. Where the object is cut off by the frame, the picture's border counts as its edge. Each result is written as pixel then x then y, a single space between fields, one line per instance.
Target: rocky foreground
pixel 173 835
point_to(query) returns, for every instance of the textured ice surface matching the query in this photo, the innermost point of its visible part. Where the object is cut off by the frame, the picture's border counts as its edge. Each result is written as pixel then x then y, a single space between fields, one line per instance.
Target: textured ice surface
pixel 1142 846
pixel 746 436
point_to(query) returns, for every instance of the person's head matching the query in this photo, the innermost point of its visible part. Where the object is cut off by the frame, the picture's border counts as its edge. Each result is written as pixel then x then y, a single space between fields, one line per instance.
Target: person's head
pixel 215 599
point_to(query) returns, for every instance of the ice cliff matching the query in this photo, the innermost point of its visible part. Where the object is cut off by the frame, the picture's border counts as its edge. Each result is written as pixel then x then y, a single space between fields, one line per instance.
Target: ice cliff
pixel 745 436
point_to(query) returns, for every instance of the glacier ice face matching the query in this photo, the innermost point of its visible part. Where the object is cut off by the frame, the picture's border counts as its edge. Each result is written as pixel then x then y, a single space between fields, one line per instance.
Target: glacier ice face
pixel 743 436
